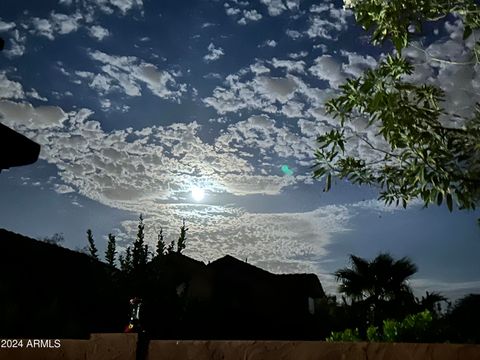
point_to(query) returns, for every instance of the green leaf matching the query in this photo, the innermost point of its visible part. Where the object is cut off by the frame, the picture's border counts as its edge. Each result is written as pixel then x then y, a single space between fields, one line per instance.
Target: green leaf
pixel 449 202
pixel 328 182
pixel 439 198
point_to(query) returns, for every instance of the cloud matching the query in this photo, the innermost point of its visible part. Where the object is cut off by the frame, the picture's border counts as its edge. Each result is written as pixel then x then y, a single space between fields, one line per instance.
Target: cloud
pixel 280 242
pixel 63 189
pixel 213 53
pixel 17 44
pixel 232 11
pixel 329 69
pixel 451 289
pixel 98 32
pixel 109 6
pixel 289 65
pixel 336 72
pixel 56 24
pixel 43 27
pixel 6 26
pixel 255 89
pixel 126 5
pixel 249 16
pixel 127 74
pixel 447 63
pixel 298 55
pixel 159 163
pixel 66 24
pixel 294 34
pixel 35 95
pixel 263 135
pixel 24 114
pixel 327 23
pixel 275 7
pixel 270 43
pixel 10 89
pixel 207 25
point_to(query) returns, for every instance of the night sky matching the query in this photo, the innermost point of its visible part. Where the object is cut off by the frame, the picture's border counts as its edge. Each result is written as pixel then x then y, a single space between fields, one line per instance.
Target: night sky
pixel 137 103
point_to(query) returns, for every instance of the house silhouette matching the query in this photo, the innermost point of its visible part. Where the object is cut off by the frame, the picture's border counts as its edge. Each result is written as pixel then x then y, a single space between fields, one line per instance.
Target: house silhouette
pixel 232 299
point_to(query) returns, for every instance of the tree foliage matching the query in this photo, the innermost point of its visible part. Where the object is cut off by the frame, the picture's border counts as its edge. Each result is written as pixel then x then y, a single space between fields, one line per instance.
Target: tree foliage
pixel 126 261
pixel 378 287
pixel 398 21
pixel 383 278
pixel 92 249
pixel 161 246
pixel 418 155
pixel 181 243
pixel 111 251
pixel 140 249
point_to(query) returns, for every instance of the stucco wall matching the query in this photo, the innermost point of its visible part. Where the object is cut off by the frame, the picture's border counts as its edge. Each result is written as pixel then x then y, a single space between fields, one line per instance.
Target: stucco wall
pixel 124 347
pixel 296 350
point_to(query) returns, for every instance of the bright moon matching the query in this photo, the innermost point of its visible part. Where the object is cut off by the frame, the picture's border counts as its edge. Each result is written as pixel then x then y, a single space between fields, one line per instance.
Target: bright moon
pixel 198 194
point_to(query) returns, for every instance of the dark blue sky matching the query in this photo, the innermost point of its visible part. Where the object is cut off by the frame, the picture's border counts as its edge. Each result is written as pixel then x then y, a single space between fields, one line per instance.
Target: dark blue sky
pixel 137 102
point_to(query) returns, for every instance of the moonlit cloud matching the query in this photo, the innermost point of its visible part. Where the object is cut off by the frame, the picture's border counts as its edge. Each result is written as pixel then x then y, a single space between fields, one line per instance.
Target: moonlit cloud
pixel 56 24
pixel 110 6
pixel 5 26
pixel 10 89
pixel 270 43
pixel 16 114
pixel 213 53
pixel 98 32
pixel 275 7
pixel 128 74
pixel 278 242
pixel 249 16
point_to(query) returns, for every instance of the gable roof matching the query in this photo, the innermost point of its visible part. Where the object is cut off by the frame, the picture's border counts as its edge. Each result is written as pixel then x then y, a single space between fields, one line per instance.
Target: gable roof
pixel 233 269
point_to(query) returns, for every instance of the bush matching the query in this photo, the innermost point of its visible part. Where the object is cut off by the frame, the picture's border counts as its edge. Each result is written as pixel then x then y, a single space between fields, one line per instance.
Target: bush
pixel 346 335
pixel 414 328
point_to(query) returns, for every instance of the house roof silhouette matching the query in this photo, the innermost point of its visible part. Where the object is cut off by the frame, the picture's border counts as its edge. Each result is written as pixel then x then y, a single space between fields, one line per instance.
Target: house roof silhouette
pixel 230 271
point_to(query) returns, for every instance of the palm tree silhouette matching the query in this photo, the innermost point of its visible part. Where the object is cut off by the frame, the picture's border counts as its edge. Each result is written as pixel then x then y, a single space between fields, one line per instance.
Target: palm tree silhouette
pixel 379 287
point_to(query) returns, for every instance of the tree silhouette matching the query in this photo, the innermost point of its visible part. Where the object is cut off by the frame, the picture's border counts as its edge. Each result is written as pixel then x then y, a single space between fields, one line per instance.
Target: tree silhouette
pixel 140 249
pixel 464 318
pixel 171 247
pixel 92 249
pixel 161 247
pixel 126 261
pixel 181 243
pixel 111 250
pixel 379 285
pixel 431 302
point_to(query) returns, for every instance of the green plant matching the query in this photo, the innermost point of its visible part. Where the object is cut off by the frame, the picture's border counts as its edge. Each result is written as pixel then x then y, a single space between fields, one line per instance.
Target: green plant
pixel 373 334
pixel 416 327
pixel 391 330
pixel 345 335
pixel 413 328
